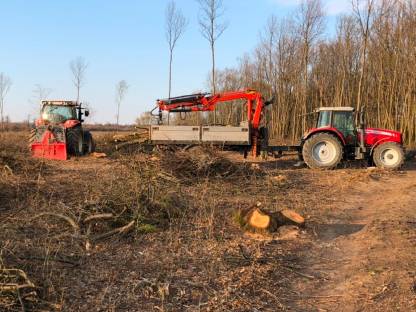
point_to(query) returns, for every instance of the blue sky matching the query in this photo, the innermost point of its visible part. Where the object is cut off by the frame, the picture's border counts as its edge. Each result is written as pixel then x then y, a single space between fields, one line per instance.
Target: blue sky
pixel 121 39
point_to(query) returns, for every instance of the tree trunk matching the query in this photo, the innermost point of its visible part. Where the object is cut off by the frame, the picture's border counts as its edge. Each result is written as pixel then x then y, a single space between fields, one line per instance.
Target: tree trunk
pixel 213 78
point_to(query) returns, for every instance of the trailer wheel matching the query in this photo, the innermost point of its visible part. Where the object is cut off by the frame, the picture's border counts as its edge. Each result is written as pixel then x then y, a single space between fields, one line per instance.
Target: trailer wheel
pixel 75 142
pixel 389 155
pixel 322 151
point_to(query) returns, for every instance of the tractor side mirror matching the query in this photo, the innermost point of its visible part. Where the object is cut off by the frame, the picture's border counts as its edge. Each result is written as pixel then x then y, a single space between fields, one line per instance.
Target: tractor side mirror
pixel 87 113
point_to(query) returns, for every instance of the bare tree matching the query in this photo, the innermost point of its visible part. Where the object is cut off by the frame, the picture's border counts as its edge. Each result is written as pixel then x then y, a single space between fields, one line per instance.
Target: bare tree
pixel 363 13
pixel 144 119
pixel 121 89
pixel 78 67
pixel 310 19
pixel 211 29
pixel 175 26
pixel 5 84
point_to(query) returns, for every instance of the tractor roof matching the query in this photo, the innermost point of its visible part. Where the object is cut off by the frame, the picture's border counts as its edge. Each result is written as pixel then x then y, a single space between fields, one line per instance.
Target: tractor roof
pixel 60 102
pixel 339 108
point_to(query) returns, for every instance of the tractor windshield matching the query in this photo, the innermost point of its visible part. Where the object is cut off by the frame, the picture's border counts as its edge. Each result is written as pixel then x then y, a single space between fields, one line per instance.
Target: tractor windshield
pixel 324 119
pixel 58 113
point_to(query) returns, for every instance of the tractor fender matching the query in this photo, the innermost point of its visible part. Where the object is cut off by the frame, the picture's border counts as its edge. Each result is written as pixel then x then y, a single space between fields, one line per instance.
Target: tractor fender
pixel 379 142
pixel 71 123
pixel 329 130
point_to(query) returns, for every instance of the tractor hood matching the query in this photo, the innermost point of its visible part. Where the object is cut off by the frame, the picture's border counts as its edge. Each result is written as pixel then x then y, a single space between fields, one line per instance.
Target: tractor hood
pixel 374 136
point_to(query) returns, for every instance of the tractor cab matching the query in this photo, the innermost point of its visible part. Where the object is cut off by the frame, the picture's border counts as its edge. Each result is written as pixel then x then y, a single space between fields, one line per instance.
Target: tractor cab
pixel 340 119
pixel 59 111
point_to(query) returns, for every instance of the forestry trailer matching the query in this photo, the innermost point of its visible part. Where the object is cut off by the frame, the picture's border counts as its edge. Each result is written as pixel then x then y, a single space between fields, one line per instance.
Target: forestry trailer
pixel 58 133
pixel 336 136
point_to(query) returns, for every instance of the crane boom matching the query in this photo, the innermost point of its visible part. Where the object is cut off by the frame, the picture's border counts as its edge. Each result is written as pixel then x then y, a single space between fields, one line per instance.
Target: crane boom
pixel 203 102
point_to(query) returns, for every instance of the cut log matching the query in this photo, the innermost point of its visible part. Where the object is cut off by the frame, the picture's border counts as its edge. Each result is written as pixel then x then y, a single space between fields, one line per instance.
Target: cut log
pixel 98 155
pixel 261 220
pixel 289 217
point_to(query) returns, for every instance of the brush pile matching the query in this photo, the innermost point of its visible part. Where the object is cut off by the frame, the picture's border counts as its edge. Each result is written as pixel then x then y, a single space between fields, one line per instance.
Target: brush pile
pixel 203 162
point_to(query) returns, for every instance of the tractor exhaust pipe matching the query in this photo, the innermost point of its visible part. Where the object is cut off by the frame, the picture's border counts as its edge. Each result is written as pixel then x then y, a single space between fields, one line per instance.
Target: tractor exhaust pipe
pixel 361 150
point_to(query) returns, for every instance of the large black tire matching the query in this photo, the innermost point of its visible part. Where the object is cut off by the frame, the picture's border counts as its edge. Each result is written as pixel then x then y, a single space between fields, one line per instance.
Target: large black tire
pixel 75 141
pixel 89 144
pixel 389 155
pixel 322 151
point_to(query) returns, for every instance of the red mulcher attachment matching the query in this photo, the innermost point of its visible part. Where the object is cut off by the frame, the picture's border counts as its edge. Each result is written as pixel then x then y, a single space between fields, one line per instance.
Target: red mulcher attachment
pixel 49 142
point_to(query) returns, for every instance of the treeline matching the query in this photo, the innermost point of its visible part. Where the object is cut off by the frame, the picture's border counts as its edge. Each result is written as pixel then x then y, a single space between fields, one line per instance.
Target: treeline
pixel 103 127
pixel 370 61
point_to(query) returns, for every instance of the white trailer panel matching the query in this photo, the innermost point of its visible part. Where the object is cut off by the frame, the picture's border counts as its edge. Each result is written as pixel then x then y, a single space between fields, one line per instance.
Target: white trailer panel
pixel 226 135
pixel 166 134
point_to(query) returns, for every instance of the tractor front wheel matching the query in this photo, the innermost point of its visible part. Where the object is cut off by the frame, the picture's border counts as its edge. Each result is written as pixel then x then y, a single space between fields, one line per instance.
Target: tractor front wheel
pixel 75 141
pixel 389 155
pixel 322 151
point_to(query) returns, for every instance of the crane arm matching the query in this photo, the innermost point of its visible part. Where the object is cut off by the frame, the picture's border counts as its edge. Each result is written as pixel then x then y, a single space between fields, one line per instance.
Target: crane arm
pixel 206 102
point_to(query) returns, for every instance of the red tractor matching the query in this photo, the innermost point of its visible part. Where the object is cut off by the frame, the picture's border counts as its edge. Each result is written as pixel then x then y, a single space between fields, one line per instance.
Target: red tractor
pixel 336 137
pixel 58 133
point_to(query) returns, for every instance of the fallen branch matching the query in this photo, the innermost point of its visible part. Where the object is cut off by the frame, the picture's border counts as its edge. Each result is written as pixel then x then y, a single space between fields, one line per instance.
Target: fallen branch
pixel 121 230
pixel 7 168
pixel 15 287
pixel 101 216
pixel 292 269
pixel 70 221
pixel 14 274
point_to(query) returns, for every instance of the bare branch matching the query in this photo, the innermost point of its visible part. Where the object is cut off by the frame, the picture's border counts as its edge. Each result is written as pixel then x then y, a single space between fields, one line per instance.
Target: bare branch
pixel 5 84
pixel 40 93
pixel 211 29
pixel 78 68
pixel 121 89
pixel 175 26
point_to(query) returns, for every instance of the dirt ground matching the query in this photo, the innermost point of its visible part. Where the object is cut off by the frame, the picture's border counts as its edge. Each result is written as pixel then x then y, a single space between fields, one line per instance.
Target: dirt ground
pixel 186 250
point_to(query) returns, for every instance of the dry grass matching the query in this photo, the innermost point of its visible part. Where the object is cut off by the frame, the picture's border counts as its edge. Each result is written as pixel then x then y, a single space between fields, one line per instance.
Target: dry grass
pixel 151 232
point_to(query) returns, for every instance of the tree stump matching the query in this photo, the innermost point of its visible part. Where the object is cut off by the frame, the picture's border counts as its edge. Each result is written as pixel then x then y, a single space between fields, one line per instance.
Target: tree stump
pixel 258 219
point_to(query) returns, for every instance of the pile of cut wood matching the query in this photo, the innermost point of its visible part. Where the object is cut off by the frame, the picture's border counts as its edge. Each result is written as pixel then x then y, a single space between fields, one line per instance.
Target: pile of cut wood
pixel 138 137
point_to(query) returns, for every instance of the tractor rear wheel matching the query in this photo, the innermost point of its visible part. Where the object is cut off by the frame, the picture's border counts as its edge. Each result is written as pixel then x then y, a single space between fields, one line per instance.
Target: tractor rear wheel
pixel 75 141
pixel 89 144
pixel 389 155
pixel 322 151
